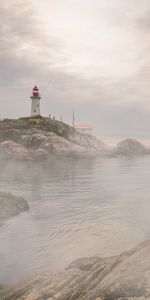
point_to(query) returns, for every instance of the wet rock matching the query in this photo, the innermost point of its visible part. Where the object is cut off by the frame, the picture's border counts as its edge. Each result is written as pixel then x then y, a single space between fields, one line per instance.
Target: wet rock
pixel 11 205
pixel 124 277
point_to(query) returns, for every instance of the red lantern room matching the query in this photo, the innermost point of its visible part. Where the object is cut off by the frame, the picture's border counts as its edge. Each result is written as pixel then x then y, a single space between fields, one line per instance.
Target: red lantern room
pixel 35 91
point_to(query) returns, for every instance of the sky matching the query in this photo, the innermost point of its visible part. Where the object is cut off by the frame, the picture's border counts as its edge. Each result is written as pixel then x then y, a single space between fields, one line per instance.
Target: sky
pixel 91 57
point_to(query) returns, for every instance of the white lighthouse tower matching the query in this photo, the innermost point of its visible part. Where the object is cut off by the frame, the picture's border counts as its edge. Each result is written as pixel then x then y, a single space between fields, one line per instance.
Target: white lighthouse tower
pixel 35 105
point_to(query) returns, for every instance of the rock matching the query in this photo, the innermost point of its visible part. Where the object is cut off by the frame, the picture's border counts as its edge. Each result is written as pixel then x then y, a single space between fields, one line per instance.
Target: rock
pixel 11 149
pixel 33 295
pixel 39 154
pixel 11 205
pixel 30 138
pixel 37 138
pixel 123 277
pixel 90 142
pixel 130 147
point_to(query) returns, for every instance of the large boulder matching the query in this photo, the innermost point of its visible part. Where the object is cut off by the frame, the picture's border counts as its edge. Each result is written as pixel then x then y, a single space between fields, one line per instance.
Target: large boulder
pixel 11 205
pixel 130 147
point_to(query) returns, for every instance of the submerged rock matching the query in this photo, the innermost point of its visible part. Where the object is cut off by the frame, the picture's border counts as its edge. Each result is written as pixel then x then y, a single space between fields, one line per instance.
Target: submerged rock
pixel 126 276
pixel 11 205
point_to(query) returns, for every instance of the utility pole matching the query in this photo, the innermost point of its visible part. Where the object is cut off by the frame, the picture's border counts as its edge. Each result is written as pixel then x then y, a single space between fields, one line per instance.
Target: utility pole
pixel 73 120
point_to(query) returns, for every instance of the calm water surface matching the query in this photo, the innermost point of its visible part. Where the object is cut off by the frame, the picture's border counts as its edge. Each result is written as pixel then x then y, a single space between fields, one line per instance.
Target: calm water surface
pixel 77 208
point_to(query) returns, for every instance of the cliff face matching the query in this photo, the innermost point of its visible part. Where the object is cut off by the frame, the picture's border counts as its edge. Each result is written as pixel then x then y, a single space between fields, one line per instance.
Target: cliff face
pixel 123 277
pixel 39 137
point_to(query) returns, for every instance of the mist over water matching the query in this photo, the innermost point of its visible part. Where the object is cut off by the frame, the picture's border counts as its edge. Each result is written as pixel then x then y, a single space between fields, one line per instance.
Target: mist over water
pixel 78 208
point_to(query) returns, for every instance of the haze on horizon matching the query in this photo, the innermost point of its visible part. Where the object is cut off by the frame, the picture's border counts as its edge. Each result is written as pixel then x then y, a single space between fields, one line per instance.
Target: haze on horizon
pixel 88 56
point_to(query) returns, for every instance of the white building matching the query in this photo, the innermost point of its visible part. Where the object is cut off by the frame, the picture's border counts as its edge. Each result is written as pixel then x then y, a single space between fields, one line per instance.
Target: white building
pixel 83 128
pixel 35 105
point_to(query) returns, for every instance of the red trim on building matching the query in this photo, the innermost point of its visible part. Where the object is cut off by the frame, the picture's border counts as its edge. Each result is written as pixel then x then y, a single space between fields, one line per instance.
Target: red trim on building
pixel 83 126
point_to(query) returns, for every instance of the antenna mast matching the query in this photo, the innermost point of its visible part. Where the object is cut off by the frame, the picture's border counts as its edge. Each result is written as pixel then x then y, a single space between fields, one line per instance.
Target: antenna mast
pixel 73 120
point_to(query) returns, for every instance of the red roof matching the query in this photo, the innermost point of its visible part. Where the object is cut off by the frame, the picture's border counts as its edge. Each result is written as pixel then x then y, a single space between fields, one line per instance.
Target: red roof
pixel 83 126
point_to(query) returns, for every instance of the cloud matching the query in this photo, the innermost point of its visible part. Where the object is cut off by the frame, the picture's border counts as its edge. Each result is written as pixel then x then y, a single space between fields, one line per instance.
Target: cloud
pixel 93 59
pixel 29 54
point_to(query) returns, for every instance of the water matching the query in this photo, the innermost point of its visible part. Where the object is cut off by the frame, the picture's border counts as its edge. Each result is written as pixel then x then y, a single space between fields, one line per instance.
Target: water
pixel 78 208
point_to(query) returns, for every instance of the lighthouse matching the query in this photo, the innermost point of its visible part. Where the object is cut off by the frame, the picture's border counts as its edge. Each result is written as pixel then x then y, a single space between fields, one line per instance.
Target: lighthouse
pixel 35 105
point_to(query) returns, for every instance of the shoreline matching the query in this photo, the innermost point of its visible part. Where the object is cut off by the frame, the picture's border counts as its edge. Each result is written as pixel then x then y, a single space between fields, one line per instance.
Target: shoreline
pixel 124 276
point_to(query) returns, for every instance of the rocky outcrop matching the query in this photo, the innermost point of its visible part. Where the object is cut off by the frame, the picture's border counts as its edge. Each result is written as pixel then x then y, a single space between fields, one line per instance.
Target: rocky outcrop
pixel 36 138
pixel 11 149
pixel 39 144
pixel 90 142
pixel 11 205
pixel 30 138
pixel 130 147
pixel 123 277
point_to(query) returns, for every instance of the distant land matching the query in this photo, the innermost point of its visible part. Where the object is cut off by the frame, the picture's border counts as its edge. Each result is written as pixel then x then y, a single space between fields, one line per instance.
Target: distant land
pixel 38 137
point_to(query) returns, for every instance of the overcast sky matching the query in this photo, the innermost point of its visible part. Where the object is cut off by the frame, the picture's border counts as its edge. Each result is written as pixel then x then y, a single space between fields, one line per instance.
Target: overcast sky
pixel 92 57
